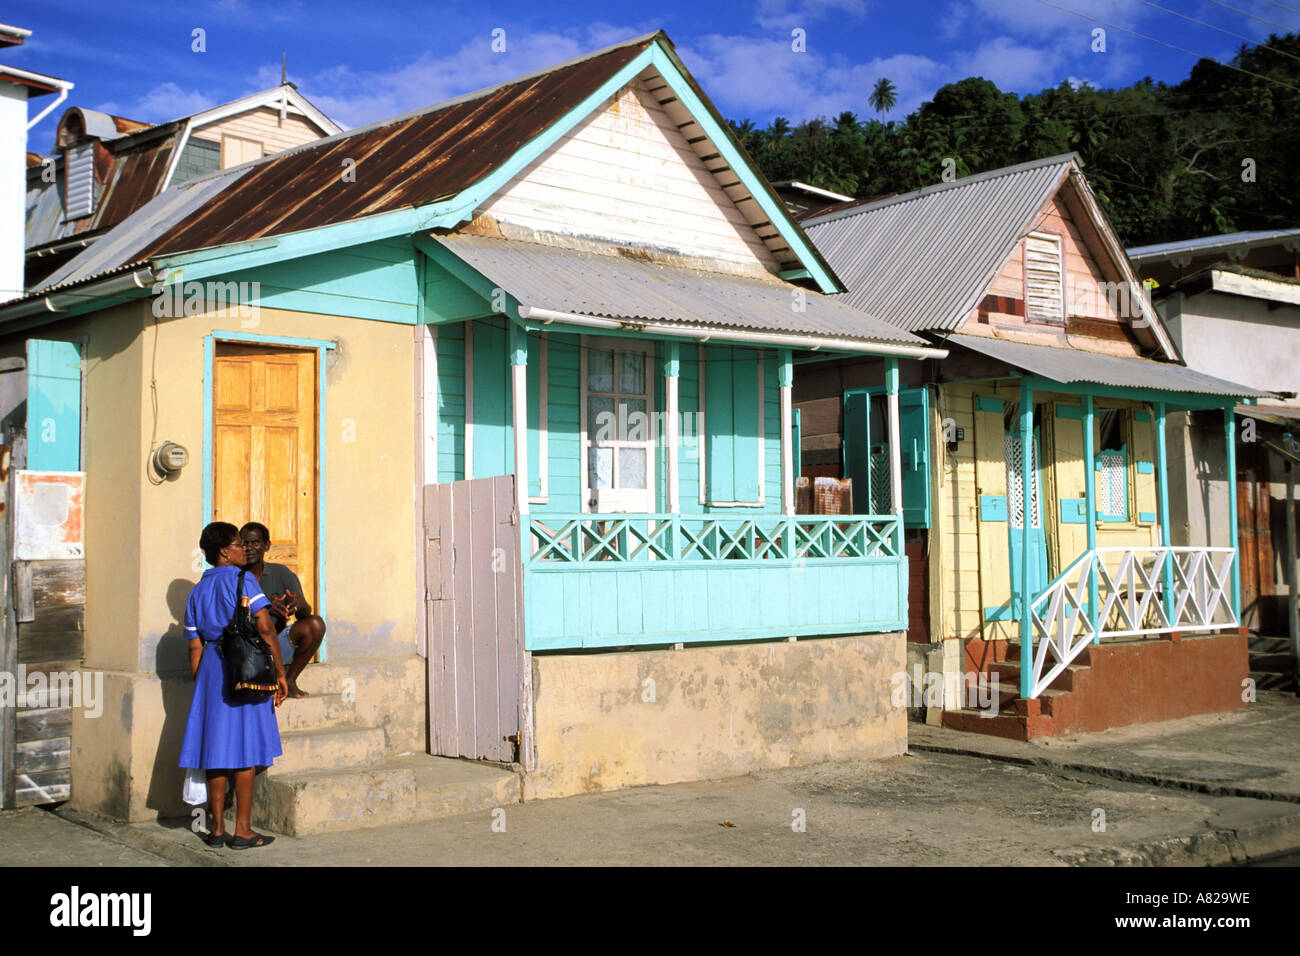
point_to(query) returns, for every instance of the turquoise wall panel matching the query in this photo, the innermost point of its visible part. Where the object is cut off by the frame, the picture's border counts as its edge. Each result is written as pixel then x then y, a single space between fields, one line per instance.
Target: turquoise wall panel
pixel 671 602
pixel 450 345
pixel 493 449
pixel 53 405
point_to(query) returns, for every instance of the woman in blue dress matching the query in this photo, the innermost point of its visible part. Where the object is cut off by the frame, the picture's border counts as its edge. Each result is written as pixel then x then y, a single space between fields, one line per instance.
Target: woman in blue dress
pixel 226 737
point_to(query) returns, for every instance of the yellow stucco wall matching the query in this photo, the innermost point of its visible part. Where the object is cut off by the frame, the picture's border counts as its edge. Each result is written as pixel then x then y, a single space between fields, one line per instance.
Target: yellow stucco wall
pixel 141 538
pixel 605 721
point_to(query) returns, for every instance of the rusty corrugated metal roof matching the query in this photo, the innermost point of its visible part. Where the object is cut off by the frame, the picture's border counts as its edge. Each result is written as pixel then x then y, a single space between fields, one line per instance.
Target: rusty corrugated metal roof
pixel 409 161
pixel 136 179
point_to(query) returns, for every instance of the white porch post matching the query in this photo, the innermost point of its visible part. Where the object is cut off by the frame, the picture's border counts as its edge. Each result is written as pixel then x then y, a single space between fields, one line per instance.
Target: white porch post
pixel 519 408
pixel 895 439
pixel 785 379
pixel 672 370
pixel 1026 533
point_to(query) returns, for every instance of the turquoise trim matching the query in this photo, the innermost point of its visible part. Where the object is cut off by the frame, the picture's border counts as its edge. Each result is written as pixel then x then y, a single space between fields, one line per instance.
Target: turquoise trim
pixel 1166 535
pixel 54 404
pixel 784 369
pixel 993 507
pixel 1074 511
pixel 722 140
pixel 1229 432
pixel 1028 482
pixel 1090 516
pixel 1174 400
pixel 1148 517
pixel 986 403
pixel 1069 412
pixel 321 346
pixel 1003 613
pixel 1141 417
pixel 1146 468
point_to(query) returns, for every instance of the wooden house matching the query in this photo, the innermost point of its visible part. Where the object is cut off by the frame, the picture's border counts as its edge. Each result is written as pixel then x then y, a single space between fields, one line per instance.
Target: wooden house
pixel 509 379
pixel 1060 380
pixel 1232 305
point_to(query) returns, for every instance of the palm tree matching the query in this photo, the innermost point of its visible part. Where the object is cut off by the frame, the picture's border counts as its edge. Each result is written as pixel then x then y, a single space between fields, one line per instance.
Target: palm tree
pixel 884 97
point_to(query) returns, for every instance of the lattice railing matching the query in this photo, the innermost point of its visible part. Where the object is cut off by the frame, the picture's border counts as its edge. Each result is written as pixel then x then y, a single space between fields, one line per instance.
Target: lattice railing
pixel 636 538
pixel 1140 591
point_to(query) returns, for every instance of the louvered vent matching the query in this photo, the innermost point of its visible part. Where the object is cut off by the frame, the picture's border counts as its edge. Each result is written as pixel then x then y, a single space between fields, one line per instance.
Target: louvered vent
pixel 1043 278
pixel 79 200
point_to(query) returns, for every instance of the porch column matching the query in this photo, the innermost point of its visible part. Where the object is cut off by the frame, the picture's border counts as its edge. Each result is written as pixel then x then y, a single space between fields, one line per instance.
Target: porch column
pixel 672 370
pixel 519 407
pixel 895 439
pixel 1166 535
pixel 785 379
pixel 1230 436
pixel 1026 532
pixel 1090 505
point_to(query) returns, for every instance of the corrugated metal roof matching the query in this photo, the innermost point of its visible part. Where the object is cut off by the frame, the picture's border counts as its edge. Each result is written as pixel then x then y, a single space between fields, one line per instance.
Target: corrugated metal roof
pixel 407 161
pixel 1075 365
pixel 921 260
pixel 635 288
pixel 1211 244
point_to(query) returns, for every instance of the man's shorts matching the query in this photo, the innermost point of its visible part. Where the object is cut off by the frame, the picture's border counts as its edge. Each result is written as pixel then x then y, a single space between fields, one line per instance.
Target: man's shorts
pixel 286 646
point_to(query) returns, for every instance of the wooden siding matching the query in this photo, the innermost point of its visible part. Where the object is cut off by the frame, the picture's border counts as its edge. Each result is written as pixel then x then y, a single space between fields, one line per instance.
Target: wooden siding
pixel 450 346
pixel 975 568
pixel 1093 318
pixel 627 174
pixel 262 125
pixel 376 280
pixel 51 602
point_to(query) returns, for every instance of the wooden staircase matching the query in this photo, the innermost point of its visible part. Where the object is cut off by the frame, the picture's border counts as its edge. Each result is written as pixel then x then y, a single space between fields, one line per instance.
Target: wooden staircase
pixel 1017 718
pixel 1271 664
pixel 351 759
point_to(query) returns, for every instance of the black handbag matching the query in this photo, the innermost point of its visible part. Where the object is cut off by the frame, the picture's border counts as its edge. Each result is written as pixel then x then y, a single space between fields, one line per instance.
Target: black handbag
pixel 249 666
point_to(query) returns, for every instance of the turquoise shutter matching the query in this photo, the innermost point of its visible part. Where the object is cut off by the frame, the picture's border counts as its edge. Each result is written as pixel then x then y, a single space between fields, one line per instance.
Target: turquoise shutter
pixel 731 404
pixel 857 441
pixel 718 412
pixel 53 406
pixel 535 375
pixel 914 432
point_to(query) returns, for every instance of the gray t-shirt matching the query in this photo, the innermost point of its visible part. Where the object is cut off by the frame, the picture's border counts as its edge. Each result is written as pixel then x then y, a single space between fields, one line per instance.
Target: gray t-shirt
pixel 275 580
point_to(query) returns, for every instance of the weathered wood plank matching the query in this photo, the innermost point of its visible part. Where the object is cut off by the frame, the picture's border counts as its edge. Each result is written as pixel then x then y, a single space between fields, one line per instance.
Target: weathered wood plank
pixel 58 583
pixel 44 723
pixel 481 521
pixel 34 756
pixel 47 786
pixel 8 634
pixel 55 634
pixel 24 609
pixel 508 634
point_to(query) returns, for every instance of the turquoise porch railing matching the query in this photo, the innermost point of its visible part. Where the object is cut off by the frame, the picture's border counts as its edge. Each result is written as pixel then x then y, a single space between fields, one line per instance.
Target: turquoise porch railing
pixel 604 580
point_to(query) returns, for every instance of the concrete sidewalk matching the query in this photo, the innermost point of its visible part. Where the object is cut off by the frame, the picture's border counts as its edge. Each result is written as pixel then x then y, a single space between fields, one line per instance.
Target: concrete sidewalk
pixel 1203 791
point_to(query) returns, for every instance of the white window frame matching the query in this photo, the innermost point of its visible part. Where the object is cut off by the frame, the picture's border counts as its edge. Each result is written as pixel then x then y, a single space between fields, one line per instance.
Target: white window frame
pixel 702 439
pixel 543 426
pixel 1059 242
pixel 598 343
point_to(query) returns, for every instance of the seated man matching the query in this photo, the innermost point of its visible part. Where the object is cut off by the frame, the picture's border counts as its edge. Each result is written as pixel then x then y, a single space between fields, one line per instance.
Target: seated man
pixel 299 641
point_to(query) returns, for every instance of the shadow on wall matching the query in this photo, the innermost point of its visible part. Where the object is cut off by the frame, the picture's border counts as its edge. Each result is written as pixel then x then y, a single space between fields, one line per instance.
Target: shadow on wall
pixel 172 666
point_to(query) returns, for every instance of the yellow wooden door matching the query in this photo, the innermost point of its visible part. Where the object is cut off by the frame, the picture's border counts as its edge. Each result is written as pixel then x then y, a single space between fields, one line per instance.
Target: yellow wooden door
pixel 264 440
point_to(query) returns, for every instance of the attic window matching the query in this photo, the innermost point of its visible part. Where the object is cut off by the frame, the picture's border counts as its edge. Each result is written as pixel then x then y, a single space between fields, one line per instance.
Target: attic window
pixel 79 182
pixel 1044 278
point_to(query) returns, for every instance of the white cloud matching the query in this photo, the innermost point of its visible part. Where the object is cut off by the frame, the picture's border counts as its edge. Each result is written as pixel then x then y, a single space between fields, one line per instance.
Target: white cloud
pixel 785 15
pixel 1012 65
pixel 164 102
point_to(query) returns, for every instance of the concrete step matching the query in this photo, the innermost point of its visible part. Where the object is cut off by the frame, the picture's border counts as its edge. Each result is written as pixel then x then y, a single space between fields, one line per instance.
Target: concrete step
pixel 330 748
pixel 316 712
pixel 406 789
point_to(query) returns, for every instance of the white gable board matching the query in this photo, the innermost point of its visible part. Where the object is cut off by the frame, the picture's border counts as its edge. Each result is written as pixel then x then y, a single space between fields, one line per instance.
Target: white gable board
pixel 627 174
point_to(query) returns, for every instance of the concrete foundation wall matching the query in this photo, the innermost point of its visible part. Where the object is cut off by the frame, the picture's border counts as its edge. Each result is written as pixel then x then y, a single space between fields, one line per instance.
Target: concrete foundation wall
pixel 605 721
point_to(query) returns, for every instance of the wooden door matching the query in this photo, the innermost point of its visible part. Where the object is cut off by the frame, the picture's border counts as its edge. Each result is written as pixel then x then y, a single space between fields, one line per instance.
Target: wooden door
pixel 474 584
pixel 1254 540
pixel 618 400
pixel 264 443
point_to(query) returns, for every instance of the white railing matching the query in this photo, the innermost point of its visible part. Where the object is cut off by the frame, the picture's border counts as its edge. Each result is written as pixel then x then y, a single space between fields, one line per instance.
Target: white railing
pixel 1140 591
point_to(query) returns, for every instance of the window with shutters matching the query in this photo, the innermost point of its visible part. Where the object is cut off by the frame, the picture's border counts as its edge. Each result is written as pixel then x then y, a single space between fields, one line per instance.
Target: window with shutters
pixel 731 395
pixel 79 182
pixel 1044 278
pixel 1111 465
pixel 867 454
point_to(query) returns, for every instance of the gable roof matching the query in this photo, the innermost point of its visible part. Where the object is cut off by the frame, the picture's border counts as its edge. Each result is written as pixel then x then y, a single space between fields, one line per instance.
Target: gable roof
pixel 431 168
pixel 1225 244
pixel 922 260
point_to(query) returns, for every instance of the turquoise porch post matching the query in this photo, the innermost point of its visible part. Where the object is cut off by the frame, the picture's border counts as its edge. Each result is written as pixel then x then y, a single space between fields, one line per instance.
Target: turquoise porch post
pixel 1026 531
pixel 895 450
pixel 1229 433
pixel 1090 494
pixel 1166 535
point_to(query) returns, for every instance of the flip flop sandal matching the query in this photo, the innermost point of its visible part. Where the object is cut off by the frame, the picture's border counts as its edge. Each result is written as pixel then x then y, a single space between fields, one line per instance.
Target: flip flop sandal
pixel 246 843
pixel 215 839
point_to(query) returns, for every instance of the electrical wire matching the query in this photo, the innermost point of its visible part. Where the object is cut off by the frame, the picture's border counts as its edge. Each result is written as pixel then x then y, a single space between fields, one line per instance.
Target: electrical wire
pixel 1245 14
pixel 1165 43
pixel 1202 23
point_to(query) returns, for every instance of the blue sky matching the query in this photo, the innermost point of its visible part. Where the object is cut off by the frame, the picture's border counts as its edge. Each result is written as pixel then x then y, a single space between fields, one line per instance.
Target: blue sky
pixel 362 62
